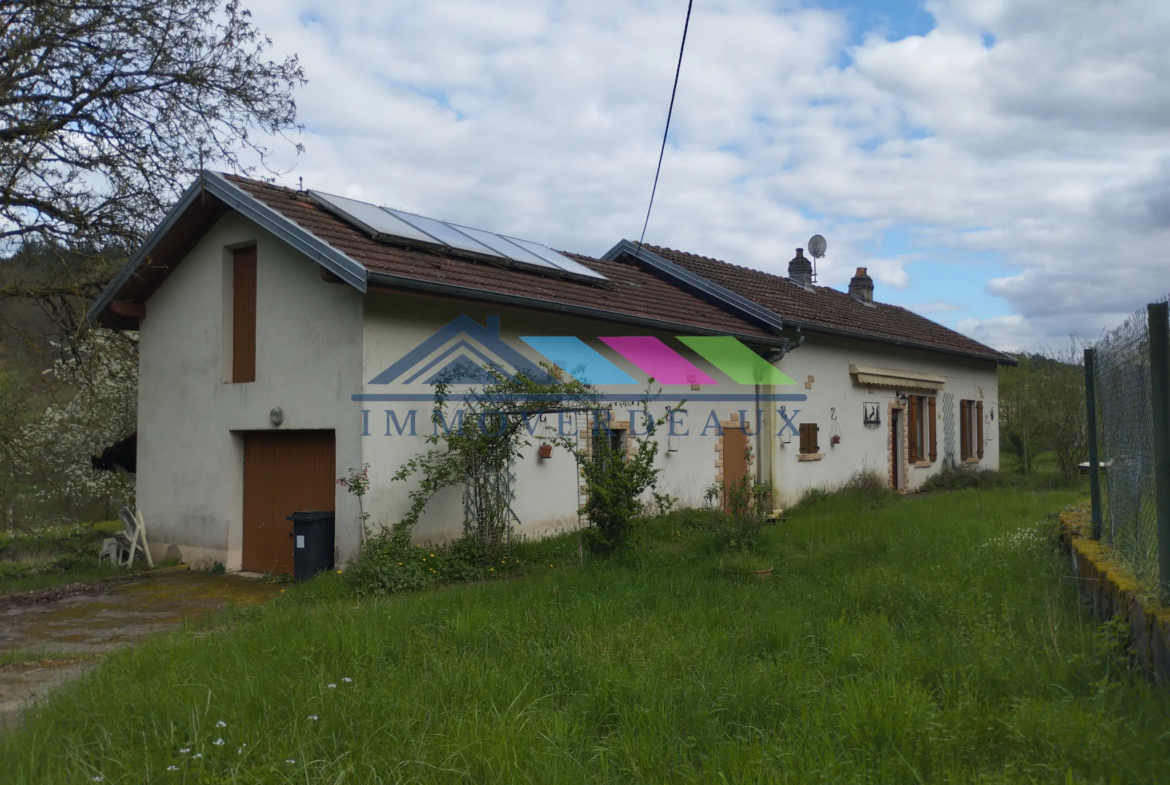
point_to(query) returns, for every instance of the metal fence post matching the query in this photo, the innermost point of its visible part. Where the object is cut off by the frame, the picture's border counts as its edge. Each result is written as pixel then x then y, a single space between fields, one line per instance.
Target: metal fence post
pixel 1094 457
pixel 1159 318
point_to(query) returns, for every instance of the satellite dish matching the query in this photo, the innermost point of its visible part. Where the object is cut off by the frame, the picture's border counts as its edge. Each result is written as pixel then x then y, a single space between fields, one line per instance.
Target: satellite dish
pixel 817 246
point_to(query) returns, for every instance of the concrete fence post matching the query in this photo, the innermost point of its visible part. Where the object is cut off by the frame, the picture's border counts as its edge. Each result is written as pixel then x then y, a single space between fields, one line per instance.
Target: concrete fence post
pixel 1094 454
pixel 1159 318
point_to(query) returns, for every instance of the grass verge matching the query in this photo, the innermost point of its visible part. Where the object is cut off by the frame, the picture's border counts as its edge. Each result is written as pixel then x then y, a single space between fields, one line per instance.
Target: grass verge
pixel 931 640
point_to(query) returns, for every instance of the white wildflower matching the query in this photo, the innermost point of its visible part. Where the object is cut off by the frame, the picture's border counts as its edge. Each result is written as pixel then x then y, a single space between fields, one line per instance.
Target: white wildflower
pixel 346 679
pixel 290 761
pixel 218 742
pixel 221 724
pixel 198 755
pixel 185 750
pixel 332 686
pixel 312 716
pixel 172 768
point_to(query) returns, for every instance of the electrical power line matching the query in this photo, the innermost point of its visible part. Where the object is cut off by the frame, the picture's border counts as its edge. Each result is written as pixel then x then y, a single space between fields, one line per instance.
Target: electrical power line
pixel 669 112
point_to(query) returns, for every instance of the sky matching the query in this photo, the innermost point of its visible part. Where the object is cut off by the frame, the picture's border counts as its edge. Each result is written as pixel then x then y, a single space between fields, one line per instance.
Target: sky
pixel 999 166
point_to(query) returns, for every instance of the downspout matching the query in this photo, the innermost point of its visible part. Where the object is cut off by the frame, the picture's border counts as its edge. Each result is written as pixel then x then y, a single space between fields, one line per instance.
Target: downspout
pixel 766 437
pixel 769 470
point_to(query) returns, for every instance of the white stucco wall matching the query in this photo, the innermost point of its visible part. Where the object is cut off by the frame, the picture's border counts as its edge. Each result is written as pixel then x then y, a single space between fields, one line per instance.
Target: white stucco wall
pixel 546 490
pixel 308 362
pixel 827 359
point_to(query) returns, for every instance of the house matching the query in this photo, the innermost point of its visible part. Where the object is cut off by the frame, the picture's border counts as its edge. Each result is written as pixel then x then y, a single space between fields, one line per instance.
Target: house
pixel 287 336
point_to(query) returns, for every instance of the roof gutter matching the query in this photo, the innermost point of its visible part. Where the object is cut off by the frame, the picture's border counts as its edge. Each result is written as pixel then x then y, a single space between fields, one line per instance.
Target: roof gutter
pixel 450 290
pixel 697 283
pixel 236 198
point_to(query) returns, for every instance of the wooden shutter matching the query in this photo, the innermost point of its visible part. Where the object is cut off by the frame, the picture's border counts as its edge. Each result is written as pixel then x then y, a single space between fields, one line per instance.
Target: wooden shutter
pixel 932 412
pixel 816 443
pixel 964 422
pixel 808 438
pixel 244 315
pixel 979 428
pixel 912 431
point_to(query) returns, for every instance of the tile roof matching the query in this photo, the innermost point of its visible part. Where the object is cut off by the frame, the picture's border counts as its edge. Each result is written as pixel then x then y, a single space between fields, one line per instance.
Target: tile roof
pixel 829 309
pixel 631 293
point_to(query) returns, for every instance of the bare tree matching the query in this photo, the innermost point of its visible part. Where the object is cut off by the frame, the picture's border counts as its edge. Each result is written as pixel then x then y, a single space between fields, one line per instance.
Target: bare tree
pixel 108 108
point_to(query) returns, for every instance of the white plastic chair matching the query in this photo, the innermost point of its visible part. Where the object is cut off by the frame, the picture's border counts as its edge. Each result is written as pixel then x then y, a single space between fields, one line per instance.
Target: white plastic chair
pixel 133 539
pixel 112 550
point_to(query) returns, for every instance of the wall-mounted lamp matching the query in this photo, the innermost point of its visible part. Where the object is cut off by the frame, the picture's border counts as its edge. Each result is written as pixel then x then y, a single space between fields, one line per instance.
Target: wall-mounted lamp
pixel 902 398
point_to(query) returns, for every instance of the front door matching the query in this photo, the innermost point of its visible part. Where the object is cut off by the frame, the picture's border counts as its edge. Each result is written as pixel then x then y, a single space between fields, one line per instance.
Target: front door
pixel 284 471
pixel 735 465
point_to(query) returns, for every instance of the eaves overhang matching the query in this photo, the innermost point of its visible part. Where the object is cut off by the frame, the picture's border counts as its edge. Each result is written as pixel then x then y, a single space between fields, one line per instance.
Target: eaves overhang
pixel 235 198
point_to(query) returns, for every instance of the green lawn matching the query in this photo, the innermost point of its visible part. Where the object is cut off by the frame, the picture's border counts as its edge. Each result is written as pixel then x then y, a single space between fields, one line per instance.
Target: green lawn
pixel 931 640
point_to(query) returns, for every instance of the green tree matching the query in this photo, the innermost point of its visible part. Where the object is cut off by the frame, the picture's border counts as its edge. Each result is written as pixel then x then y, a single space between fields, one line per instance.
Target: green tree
pixel 1042 407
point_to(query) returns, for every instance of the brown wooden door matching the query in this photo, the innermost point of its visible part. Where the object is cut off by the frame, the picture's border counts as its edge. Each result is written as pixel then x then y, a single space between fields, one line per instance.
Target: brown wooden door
pixel 284 471
pixel 735 466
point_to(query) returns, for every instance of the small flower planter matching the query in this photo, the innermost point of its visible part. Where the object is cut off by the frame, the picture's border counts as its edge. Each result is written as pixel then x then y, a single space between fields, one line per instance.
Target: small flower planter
pixel 546 451
pixel 836 440
pixel 761 574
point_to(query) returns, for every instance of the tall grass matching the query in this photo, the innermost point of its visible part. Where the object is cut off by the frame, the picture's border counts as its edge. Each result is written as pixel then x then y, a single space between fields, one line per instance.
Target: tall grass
pixel 928 640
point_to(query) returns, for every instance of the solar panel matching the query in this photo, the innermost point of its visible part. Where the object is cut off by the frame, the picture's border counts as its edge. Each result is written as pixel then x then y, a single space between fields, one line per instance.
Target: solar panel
pixel 560 260
pixel 383 223
pixel 505 248
pixel 371 219
pixel 445 233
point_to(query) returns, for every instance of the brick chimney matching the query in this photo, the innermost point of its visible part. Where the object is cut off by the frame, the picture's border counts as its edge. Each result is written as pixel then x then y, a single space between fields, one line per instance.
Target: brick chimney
pixel 861 286
pixel 800 270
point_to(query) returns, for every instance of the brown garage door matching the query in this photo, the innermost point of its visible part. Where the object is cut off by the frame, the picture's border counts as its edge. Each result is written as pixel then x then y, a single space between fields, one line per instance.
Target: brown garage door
pixel 284 471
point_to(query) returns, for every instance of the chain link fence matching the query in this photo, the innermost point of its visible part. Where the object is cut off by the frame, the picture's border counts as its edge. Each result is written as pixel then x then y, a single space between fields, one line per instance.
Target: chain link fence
pixel 1123 394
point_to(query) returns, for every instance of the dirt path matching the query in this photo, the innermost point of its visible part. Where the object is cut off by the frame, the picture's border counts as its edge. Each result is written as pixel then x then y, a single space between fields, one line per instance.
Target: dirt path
pixel 60 640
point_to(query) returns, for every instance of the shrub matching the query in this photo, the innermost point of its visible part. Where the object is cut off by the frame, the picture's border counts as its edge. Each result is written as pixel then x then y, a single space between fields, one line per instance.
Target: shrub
pixel 957 478
pixel 615 484
pixel 870 486
pixel 867 486
pixel 749 502
pixel 390 564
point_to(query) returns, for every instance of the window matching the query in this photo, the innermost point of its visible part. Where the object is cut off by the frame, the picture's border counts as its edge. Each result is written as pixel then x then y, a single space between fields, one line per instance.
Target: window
pixel 971 430
pixel 922 434
pixel 244 314
pixel 808 438
pixel 613 438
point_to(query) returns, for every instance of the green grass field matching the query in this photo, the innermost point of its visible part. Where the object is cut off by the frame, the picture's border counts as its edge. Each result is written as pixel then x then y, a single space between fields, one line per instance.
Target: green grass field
pixel 930 640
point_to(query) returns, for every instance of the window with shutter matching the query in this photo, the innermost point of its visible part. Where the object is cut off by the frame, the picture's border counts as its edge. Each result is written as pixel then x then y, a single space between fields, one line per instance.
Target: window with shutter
pixel 808 438
pixel 912 425
pixel 932 414
pixel 979 429
pixel 244 314
pixel 964 439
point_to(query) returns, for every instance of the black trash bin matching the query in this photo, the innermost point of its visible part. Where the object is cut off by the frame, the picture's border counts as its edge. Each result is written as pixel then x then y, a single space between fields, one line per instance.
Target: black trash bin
pixel 312 543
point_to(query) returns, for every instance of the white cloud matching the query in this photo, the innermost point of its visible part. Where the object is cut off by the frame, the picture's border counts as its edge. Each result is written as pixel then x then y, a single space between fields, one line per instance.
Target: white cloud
pixel 1044 151
pixel 1006 333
